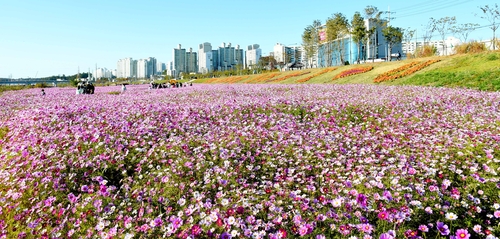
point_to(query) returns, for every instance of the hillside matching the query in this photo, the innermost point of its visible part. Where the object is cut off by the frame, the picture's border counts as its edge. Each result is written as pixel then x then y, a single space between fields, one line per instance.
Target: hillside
pixel 476 71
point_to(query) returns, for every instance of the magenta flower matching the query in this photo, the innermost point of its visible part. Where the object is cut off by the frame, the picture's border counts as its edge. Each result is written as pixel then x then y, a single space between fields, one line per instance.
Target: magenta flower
pixel 362 200
pixel 383 215
pixel 462 234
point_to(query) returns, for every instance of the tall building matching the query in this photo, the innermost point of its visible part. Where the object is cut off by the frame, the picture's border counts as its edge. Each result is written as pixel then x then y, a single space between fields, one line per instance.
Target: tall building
pixel 442 48
pixel 238 57
pixel 376 47
pixel 160 67
pixel 179 61
pixel 142 68
pixel 191 61
pixel 279 52
pixel 253 55
pixel 205 58
pixel 150 67
pixel 170 68
pixel 226 57
pixel 126 68
pixel 288 55
pixel 215 60
pixel 103 73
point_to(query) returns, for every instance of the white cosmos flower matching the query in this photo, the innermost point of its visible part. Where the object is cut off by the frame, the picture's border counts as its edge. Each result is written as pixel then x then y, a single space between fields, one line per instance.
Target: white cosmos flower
pixel 451 216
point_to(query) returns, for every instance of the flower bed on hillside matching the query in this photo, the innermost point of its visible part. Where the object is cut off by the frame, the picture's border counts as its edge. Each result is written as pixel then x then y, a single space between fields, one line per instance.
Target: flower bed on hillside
pixel 403 71
pixel 227 80
pixel 295 74
pixel 264 77
pixel 353 71
pixel 250 161
pixel 324 71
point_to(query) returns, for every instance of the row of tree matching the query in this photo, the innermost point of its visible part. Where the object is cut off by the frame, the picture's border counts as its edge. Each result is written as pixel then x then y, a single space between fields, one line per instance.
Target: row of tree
pixel 337 28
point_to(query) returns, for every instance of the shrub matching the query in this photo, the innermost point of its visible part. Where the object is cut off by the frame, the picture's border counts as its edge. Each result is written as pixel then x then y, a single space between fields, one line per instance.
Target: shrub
pixel 470 47
pixel 424 51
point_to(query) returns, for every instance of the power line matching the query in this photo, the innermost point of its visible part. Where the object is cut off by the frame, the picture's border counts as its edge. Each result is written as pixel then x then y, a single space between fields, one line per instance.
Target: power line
pixel 422 5
pixel 432 9
pixel 448 32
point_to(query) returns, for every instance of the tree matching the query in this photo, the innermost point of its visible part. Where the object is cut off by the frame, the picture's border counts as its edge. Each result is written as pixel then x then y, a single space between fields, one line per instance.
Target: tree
pixel 463 30
pixel 267 61
pixel 429 29
pixel 337 28
pixel 310 40
pixel 443 26
pixel 358 31
pixel 408 36
pixel 373 15
pixel 392 35
pixel 491 14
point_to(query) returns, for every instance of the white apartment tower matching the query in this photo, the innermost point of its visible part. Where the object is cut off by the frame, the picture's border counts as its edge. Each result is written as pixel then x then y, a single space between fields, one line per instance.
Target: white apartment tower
pixel 205 56
pixel 253 55
pixel 126 68
pixel 142 68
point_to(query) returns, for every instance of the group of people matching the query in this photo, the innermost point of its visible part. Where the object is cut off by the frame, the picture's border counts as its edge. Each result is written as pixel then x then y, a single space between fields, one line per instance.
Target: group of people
pixel 85 88
pixel 154 85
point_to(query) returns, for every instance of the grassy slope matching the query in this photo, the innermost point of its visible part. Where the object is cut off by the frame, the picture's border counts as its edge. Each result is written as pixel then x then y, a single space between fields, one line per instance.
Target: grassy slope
pixel 476 71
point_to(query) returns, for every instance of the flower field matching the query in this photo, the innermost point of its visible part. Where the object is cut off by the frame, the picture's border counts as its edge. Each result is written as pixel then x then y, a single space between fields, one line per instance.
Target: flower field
pixel 250 161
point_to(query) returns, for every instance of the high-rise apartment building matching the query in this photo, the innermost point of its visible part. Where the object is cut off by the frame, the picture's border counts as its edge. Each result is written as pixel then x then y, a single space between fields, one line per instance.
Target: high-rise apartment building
pixel 191 61
pixel 126 68
pixel 179 61
pixel 150 67
pixel 239 57
pixel 215 60
pixel 205 58
pixel 103 73
pixel 226 57
pixel 253 55
pixel 142 68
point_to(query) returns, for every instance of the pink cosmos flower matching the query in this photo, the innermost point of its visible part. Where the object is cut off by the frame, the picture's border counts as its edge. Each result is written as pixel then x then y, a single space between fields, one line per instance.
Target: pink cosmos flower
pixel 462 234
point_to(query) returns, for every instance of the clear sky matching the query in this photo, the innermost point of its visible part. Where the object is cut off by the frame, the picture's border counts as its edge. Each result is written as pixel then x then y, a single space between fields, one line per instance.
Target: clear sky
pixel 56 37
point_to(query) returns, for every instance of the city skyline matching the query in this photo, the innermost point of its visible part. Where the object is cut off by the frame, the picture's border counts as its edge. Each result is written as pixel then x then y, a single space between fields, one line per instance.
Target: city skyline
pixel 42 39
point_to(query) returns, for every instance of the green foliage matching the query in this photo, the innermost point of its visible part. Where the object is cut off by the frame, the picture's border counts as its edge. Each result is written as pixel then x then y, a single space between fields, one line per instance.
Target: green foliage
pixel 3 132
pixel 392 35
pixel 337 27
pixel 4 88
pixel 359 31
pixel 41 85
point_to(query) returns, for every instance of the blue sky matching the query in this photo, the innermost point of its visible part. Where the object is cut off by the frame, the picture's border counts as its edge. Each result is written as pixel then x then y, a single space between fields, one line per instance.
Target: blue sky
pixel 56 37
